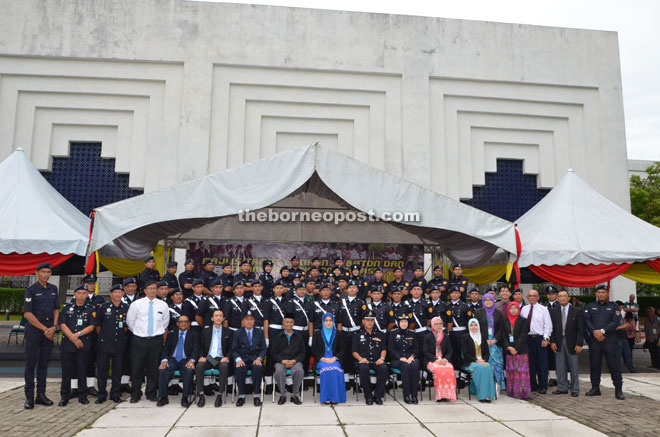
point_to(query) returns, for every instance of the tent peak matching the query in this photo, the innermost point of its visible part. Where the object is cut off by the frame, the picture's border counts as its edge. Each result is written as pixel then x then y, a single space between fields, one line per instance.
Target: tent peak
pixel 570 170
pixel 20 149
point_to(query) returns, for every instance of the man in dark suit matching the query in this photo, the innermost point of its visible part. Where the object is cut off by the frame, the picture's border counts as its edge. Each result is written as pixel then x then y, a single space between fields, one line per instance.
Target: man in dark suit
pixel 248 351
pixel 181 352
pixel 566 342
pixel 215 352
pixel 288 354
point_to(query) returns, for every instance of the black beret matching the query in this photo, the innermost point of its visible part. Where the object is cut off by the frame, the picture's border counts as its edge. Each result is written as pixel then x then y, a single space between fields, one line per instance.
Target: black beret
pixel 209 261
pixel 337 258
pixel 278 282
pixel 378 269
pixel 325 285
pixel 197 281
pixel 226 265
pixel 492 288
pixel 89 278
pixel 517 290
pixel 172 264
pixel 378 288
pixel 433 287
pixel 239 282
pixel 419 268
pixel 129 281
pixel 602 287
pixel 475 289
pixel 397 268
pixel 437 268
pixel 162 284
pixel 175 290
pixel 149 258
pixel 189 261
pixel 458 265
pixel 80 287
pixel 216 281
pixel 295 257
pixel 550 289
pixel 300 285
pixel 116 287
pixel 351 282
pixel 397 289
pixel 245 262
pixel 256 282
pixel 454 288
pixel 267 263
pixel 43 266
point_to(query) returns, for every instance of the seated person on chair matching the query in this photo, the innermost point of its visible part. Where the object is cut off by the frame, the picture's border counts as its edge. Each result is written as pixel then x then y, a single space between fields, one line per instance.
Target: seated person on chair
pixel 404 355
pixel 288 354
pixel 327 348
pixel 475 361
pixel 215 352
pixel 249 351
pixel 437 351
pixel 181 352
pixel 369 350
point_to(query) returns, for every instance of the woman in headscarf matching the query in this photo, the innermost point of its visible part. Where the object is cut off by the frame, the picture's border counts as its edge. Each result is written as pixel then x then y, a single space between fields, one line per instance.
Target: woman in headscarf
pixel 437 353
pixel 403 350
pixel 514 337
pixel 491 325
pixel 327 346
pixel 475 361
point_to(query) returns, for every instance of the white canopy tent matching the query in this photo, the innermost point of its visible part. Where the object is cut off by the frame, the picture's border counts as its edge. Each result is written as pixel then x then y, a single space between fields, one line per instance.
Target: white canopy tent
pixel 35 217
pixel 303 179
pixel 575 224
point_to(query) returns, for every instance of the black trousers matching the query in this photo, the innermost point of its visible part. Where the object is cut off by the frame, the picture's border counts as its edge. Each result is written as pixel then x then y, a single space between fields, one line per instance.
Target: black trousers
pixel 348 362
pixel 164 376
pixel 409 376
pixel 365 381
pixel 609 348
pixel 270 361
pixel 655 354
pixel 538 363
pixel 93 353
pixel 145 358
pixel 38 349
pixel 74 365
pixel 126 367
pixel 103 366
pixel 257 377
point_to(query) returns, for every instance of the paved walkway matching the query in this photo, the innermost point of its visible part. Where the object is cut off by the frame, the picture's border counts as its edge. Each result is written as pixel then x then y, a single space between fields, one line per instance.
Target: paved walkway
pixel 544 415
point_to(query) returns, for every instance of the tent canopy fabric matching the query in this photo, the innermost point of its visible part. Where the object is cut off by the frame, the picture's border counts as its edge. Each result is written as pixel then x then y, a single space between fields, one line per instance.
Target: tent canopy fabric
pixel 574 224
pixel 35 218
pixel 308 178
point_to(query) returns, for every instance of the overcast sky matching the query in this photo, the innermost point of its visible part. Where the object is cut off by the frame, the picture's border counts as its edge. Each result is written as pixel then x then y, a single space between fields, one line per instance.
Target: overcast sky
pixel 636 21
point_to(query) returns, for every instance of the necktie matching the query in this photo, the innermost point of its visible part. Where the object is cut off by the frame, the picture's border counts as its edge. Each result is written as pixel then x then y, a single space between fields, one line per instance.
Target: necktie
pixel 150 321
pixel 219 340
pixel 563 320
pixel 249 333
pixel 529 317
pixel 179 348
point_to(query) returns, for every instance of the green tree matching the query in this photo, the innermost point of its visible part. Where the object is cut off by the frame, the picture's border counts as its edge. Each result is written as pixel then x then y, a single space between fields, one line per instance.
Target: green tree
pixel 645 204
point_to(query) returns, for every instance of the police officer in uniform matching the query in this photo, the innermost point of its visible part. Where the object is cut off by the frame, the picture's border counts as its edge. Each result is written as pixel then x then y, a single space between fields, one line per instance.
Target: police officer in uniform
pixel 399 281
pixel 369 350
pixel 459 280
pixel 352 310
pixel 419 278
pixel 324 304
pixel 440 282
pixel 170 275
pixel 210 303
pixel 208 275
pixel 295 266
pixel 552 305
pixel 246 276
pixel 76 323
pixel 266 279
pixel 234 307
pixel 437 304
pixel 186 278
pixel 421 310
pixel 601 319
pixel 404 353
pixel 191 305
pixel 398 307
pixel 474 302
pixel 376 281
pixel 458 315
pixel 149 273
pixel 381 310
pixel 227 277
pixel 273 318
pixel 176 307
pixel 338 263
pixel 41 310
pixel 130 296
pixel 355 276
pixel 110 323
pixel 303 312
pixel 257 304
pixel 130 290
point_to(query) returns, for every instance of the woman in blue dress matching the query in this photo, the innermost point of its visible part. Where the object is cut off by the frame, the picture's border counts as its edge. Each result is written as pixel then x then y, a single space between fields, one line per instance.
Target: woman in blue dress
pixel 327 346
pixel 475 360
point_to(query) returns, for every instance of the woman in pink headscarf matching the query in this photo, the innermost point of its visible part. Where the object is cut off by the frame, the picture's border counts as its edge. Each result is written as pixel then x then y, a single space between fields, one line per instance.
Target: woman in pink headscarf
pixel 437 353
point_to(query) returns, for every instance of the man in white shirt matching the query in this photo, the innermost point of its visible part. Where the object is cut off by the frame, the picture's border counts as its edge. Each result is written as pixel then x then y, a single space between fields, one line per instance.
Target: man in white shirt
pixel 540 331
pixel 147 319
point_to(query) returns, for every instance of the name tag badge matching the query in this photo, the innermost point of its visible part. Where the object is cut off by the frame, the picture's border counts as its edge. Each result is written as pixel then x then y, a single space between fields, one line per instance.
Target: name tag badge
pixel 121 324
pixel 490 331
pixel 511 339
pixel 655 331
pixel 80 322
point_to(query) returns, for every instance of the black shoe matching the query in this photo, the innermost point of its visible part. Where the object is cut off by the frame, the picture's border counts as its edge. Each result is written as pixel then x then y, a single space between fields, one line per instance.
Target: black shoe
pixel 63 402
pixel 43 400
pixel 152 398
pixel 184 402
pixel 575 394
pixel 162 402
pixel 99 401
pixel 407 399
pixel 378 401
pixel 618 393
pixel 134 400
pixel 296 400
pixel 414 400
pixel 281 400
pixel 29 404
pixel 83 401
pixel 92 391
pixel 369 401
pixel 218 401
pixel 594 392
pixel 488 401
pixel 116 400
pixel 240 402
pixel 560 392
pixel 201 401
pixel 552 383
pixel 542 391
pixel 257 402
